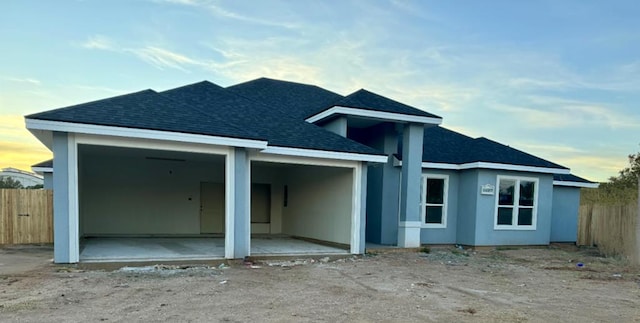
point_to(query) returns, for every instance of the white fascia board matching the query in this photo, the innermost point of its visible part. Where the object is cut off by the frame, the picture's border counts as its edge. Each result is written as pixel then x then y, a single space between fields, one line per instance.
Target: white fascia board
pixel 42 170
pixel 34 124
pixel 518 168
pixel 576 184
pixel 323 154
pixel 439 166
pixel 380 115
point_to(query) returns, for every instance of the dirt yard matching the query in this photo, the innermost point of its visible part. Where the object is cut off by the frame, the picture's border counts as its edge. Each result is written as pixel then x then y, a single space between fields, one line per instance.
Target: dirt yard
pixel 444 285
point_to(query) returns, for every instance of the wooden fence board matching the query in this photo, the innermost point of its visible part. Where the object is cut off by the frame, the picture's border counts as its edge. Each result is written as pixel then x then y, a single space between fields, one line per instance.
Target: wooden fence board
pixel 610 227
pixel 26 216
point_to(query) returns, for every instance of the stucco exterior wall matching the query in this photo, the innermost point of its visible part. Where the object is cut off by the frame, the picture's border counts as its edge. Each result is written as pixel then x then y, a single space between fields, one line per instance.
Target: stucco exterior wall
pixel 25 178
pixel 564 218
pixel 468 191
pixel 319 203
pixel 444 235
pixel 48 181
pixel 486 205
pixel 123 195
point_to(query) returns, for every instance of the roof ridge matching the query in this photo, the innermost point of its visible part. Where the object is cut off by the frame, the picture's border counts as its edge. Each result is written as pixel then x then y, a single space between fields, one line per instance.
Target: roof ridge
pixel 91 102
pixel 164 94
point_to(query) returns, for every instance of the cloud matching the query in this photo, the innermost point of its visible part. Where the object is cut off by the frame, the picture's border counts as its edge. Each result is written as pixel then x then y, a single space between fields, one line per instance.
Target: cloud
pixel 162 58
pixel 546 112
pixel 562 149
pixel 99 42
pixel 18 148
pixel 594 167
pixel 219 11
pixel 22 155
pixel 22 80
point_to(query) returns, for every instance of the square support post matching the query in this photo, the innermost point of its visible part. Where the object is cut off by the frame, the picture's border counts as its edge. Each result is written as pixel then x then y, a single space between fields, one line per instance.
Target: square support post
pixel 238 229
pixel 65 199
pixel 410 222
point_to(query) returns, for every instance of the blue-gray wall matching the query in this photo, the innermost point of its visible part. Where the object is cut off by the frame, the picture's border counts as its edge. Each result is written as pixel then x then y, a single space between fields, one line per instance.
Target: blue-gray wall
pixel 241 201
pixel 468 191
pixel 444 235
pixel 63 248
pixel 48 181
pixel 486 235
pixel 383 184
pixel 564 219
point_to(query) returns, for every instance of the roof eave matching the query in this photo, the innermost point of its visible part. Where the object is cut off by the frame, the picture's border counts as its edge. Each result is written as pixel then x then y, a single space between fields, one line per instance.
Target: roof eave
pixel 576 184
pixel 372 114
pixel 43 129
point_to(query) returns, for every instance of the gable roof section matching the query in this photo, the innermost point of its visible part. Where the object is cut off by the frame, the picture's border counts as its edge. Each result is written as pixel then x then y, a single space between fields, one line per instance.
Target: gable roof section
pixel 314 103
pixel 43 167
pixel 368 105
pixel 146 110
pixel 295 99
pixel 363 99
pixel 486 150
pixel 271 124
pixel 444 148
pixel 202 108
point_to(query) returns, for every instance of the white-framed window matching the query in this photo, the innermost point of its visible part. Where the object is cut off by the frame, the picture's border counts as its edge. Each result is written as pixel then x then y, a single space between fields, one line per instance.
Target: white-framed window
pixel 516 203
pixel 433 200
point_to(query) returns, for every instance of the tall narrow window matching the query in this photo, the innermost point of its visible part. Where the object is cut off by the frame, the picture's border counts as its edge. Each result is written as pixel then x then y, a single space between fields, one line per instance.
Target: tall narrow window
pixel 433 200
pixel 516 203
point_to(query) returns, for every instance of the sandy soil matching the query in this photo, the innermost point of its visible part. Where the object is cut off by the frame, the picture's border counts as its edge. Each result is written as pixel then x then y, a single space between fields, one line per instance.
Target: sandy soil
pixel 445 285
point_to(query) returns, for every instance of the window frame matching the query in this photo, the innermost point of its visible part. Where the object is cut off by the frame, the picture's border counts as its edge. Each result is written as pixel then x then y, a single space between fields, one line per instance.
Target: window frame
pixel 424 204
pixel 516 204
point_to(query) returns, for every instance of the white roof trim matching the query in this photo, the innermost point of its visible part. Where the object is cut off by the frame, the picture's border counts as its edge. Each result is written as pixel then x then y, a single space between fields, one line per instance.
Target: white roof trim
pixel 324 154
pixel 519 168
pixel 576 184
pixel 372 114
pixel 35 124
pixel 41 170
pixel 487 165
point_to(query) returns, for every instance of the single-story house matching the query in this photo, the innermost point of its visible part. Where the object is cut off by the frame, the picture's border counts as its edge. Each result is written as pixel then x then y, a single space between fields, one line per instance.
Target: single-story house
pixel 274 157
pixel 26 179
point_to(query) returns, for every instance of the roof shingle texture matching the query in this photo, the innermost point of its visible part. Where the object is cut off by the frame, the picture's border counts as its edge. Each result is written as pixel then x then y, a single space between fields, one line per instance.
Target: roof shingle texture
pixel 269 122
pixel 208 109
pixel 363 99
pixel 442 145
pixel 146 110
pixel 295 99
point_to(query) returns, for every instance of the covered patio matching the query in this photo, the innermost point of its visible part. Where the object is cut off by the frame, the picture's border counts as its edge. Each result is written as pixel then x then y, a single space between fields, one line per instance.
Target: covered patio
pixel 131 249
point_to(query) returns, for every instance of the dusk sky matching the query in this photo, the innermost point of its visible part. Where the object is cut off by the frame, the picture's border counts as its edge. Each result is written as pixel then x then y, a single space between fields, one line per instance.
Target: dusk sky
pixel 557 79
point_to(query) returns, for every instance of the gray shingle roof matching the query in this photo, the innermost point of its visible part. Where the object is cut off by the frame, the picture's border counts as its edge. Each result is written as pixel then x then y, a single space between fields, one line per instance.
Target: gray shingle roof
pixel 442 145
pixel 364 99
pixel 207 109
pixel 571 178
pixel 295 99
pixel 268 122
pixel 146 110
pixel 44 164
pixel 303 100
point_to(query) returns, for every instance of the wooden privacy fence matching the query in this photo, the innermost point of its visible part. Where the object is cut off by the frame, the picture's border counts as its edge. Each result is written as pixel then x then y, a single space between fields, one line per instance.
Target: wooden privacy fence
pixel 611 227
pixel 26 216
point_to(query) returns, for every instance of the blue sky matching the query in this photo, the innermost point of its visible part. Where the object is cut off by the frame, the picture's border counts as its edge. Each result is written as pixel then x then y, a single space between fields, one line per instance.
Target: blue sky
pixel 558 79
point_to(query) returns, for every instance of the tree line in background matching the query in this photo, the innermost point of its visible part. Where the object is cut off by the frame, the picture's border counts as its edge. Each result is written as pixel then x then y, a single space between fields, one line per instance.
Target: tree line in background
pixel 619 189
pixel 8 182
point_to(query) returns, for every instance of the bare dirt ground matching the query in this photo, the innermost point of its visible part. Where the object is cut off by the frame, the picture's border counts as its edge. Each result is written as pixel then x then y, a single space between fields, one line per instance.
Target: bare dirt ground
pixel 445 285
